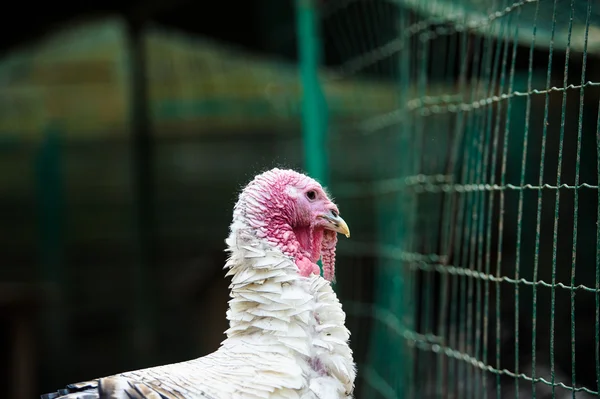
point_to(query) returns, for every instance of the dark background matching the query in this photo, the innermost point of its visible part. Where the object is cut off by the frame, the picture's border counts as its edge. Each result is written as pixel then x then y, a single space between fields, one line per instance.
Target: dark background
pixel 111 252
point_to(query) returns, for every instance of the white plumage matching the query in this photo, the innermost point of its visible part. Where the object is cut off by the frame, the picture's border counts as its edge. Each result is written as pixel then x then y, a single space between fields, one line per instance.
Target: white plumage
pixel 287 337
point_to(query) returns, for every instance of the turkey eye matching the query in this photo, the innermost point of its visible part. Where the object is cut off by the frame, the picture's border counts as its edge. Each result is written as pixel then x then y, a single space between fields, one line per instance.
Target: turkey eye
pixel 311 195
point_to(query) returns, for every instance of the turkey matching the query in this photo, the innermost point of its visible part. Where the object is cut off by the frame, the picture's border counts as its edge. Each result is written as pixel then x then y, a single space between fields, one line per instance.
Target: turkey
pixel 286 337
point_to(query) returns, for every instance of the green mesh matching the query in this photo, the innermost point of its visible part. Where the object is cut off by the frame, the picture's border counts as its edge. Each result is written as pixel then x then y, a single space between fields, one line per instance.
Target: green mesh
pixel 471 181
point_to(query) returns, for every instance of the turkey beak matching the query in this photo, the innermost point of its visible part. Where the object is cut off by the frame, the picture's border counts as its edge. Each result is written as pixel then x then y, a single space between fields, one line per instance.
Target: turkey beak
pixel 334 222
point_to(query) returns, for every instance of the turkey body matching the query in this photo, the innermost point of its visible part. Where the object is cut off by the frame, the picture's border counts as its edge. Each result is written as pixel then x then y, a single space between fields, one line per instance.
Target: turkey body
pixel 287 339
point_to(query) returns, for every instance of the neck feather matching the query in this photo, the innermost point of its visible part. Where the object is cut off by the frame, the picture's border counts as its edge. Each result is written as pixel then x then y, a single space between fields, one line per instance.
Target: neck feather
pixel 268 296
pixel 272 305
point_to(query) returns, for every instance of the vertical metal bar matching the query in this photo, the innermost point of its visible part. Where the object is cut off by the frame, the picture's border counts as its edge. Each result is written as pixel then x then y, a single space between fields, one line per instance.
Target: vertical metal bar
pixel 576 197
pixel 51 210
pixel 597 286
pixel 23 352
pixel 538 227
pixel 555 245
pixel 512 128
pixel 503 172
pixel 314 106
pixel 486 82
pixel 142 150
pixel 314 112
pixel 498 72
pixel 405 212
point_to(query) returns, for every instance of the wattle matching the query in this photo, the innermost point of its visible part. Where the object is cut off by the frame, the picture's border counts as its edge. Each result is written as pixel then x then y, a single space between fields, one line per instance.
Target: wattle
pixel 309 240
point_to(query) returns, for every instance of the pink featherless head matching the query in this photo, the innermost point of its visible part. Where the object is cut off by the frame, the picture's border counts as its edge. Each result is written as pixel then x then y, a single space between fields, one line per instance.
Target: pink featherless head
pixel 293 212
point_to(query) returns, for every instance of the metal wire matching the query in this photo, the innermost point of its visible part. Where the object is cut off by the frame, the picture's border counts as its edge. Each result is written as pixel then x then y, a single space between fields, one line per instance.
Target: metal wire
pixel 461 176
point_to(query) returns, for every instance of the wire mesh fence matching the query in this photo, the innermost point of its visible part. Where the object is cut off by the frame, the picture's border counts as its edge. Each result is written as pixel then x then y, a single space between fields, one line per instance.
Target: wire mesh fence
pixel 481 173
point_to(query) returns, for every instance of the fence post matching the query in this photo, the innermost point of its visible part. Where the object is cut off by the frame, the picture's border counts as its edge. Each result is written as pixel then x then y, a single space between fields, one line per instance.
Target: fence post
pixel 144 317
pixel 314 107
pixel 51 214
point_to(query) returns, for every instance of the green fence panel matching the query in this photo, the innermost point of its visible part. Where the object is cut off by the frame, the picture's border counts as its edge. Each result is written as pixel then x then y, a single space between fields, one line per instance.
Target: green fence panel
pixel 477 158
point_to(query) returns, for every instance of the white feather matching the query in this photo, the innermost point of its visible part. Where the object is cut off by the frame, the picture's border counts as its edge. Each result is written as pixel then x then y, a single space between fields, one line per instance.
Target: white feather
pixel 276 348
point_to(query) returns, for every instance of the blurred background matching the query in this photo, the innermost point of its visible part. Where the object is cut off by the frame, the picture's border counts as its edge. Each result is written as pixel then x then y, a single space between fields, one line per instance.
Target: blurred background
pixel 459 138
